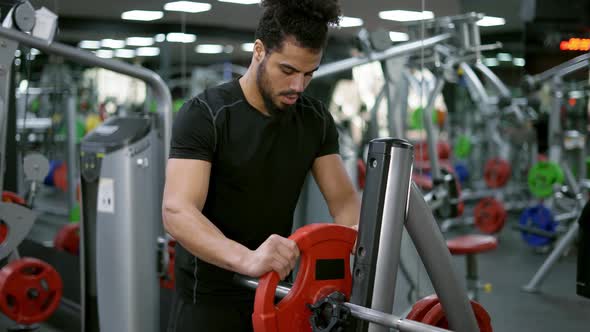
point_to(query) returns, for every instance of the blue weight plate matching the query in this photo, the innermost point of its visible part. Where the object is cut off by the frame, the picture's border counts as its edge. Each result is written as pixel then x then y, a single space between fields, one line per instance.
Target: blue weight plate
pixel 462 172
pixel 539 217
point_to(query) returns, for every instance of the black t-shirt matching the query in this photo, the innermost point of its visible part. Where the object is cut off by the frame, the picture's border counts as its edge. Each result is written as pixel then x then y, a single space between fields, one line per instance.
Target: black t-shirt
pixel 258 166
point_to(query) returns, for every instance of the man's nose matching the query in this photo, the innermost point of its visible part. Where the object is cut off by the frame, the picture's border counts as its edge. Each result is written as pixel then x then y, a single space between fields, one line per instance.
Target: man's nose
pixel 298 83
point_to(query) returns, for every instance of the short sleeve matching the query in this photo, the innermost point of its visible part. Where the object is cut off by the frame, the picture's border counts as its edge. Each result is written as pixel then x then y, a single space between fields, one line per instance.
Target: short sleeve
pixel 329 143
pixel 193 132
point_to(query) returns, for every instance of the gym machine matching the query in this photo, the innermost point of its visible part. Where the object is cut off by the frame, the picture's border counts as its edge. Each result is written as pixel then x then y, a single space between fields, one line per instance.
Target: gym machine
pixel 389 203
pixel 30 289
pixel 550 176
pixel 120 228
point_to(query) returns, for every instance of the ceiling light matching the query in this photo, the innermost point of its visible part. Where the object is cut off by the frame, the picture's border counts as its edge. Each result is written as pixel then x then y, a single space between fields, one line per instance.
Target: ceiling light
pixel 160 38
pixel 518 62
pixel 107 54
pixel 489 21
pixel 142 15
pixel 491 62
pixel 112 43
pixel 147 51
pixel 406 15
pixel 187 6
pixel 241 2
pixel 398 36
pixel 347 22
pixel 209 48
pixel 125 53
pixel 504 57
pixel 139 41
pixel 228 49
pixel 89 44
pixel 248 47
pixel 179 37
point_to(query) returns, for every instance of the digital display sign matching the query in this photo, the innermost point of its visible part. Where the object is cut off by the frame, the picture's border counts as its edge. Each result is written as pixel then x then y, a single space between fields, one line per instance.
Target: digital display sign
pixel 575 44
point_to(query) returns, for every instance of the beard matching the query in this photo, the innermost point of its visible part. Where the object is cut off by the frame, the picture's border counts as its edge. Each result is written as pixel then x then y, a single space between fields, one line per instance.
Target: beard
pixel 264 87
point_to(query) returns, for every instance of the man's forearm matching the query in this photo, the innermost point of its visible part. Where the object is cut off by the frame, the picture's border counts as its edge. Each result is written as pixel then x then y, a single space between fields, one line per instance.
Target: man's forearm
pixel 349 211
pixel 203 239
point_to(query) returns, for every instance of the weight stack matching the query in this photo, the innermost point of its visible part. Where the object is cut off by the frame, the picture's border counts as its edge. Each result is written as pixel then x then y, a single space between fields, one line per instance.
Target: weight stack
pixel 583 278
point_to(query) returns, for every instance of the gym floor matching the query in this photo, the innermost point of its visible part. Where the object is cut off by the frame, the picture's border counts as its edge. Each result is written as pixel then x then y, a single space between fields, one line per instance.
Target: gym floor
pixel 555 308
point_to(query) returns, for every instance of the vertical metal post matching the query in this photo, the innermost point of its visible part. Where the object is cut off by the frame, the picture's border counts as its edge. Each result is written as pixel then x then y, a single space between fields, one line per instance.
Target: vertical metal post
pixel 373 130
pixel 7 49
pixel 464 31
pixel 383 214
pixel 430 132
pixel 72 155
pixel 555 121
pixel 476 39
pixel 394 121
pixel 403 88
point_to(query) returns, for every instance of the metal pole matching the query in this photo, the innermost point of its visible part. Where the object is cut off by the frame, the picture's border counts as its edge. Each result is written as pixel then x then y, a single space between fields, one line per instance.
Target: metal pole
pixel 555 70
pixel 495 80
pixel 477 91
pixel 555 122
pixel 72 156
pixel 398 50
pixel 390 238
pixel 563 244
pixel 433 251
pixel 7 49
pixel 161 92
pixel 430 132
pixel 383 212
pixel 356 311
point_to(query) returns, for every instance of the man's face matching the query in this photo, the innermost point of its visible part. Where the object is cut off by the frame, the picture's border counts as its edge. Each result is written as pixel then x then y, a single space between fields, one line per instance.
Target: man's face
pixel 283 74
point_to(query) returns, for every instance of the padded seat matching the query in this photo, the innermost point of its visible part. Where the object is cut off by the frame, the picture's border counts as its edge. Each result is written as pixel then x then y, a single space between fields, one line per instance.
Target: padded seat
pixel 472 244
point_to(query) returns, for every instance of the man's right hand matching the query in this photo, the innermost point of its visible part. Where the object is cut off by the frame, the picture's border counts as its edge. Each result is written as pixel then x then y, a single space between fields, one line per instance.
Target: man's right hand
pixel 277 254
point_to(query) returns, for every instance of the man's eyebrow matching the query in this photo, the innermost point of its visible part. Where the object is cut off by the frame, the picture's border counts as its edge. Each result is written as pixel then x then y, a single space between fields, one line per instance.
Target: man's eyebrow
pixel 288 66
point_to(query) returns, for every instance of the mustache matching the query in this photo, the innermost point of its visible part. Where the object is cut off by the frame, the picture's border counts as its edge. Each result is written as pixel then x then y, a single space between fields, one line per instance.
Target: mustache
pixel 290 93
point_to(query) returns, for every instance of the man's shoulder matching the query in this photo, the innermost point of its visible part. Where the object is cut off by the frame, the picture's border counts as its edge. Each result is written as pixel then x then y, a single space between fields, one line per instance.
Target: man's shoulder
pixel 313 106
pixel 220 96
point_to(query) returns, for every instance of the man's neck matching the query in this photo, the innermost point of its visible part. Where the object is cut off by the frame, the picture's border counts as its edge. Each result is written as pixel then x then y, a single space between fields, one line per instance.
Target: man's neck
pixel 250 90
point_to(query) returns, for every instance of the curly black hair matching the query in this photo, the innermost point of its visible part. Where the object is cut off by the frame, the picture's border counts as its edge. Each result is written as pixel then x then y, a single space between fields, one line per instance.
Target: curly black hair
pixel 306 20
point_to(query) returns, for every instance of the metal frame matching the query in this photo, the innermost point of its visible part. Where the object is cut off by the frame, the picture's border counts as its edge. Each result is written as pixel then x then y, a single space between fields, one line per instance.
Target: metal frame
pixel 9 40
pixel 555 76
pixel 390 202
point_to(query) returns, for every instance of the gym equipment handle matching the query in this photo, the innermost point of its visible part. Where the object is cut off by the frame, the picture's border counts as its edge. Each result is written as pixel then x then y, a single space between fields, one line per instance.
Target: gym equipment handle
pixel 356 311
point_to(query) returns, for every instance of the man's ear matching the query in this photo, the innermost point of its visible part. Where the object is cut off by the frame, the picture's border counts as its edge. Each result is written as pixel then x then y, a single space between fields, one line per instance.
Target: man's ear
pixel 259 50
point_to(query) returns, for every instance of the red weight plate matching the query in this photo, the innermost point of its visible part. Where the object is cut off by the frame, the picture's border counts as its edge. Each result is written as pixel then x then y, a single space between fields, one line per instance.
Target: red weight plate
pixel 169 280
pixel 490 215
pixel 10 197
pixel 361 173
pixel 443 150
pixel 496 172
pixel 3 232
pixel 317 243
pixel 436 317
pixel 421 151
pixel 421 308
pixel 68 239
pixel 60 177
pixel 30 290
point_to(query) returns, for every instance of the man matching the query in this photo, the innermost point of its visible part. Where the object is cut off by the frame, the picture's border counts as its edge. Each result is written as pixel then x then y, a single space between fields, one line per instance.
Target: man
pixel 239 155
